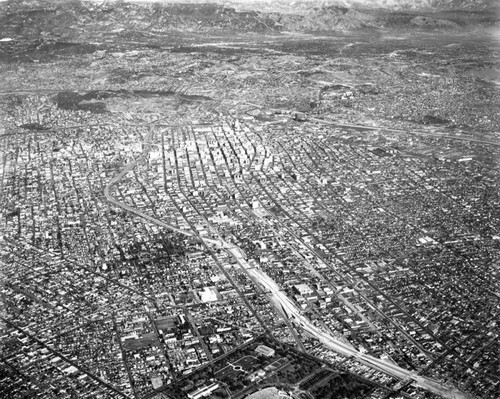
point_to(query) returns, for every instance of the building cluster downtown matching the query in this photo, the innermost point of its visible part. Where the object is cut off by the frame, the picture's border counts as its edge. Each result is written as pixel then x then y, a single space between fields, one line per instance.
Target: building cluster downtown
pixel 120 288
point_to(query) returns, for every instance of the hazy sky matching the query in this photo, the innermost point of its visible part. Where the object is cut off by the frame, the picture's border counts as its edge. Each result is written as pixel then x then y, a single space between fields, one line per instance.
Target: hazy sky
pixel 365 3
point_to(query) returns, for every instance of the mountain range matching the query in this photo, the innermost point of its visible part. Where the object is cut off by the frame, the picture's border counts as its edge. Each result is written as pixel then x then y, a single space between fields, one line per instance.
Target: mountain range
pixel 80 19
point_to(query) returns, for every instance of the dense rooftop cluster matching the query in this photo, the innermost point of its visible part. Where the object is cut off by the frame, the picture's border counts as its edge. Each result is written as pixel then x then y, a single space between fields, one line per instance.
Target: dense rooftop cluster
pixel 196 215
pixel 358 227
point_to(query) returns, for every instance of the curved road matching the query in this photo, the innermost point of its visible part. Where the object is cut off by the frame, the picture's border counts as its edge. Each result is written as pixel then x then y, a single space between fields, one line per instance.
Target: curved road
pixel 291 309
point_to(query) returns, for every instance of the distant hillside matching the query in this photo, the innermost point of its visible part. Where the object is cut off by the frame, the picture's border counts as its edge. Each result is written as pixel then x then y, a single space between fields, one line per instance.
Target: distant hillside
pixel 300 6
pixel 83 20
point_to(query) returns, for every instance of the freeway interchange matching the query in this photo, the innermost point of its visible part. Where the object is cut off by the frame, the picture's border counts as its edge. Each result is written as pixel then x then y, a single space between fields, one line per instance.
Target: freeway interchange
pixel 294 314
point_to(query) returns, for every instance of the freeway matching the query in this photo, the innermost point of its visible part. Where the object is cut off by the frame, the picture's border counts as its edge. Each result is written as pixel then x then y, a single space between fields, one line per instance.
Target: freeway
pixel 335 344
pixel 110 198
pixel 293 312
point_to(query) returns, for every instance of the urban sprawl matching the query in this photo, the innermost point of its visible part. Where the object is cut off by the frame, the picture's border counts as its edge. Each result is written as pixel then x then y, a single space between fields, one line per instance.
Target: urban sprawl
pixel 137 254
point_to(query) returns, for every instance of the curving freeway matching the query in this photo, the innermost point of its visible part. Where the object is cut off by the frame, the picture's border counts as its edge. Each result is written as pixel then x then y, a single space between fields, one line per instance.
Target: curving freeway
pixel 293 312
pixel 335 344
